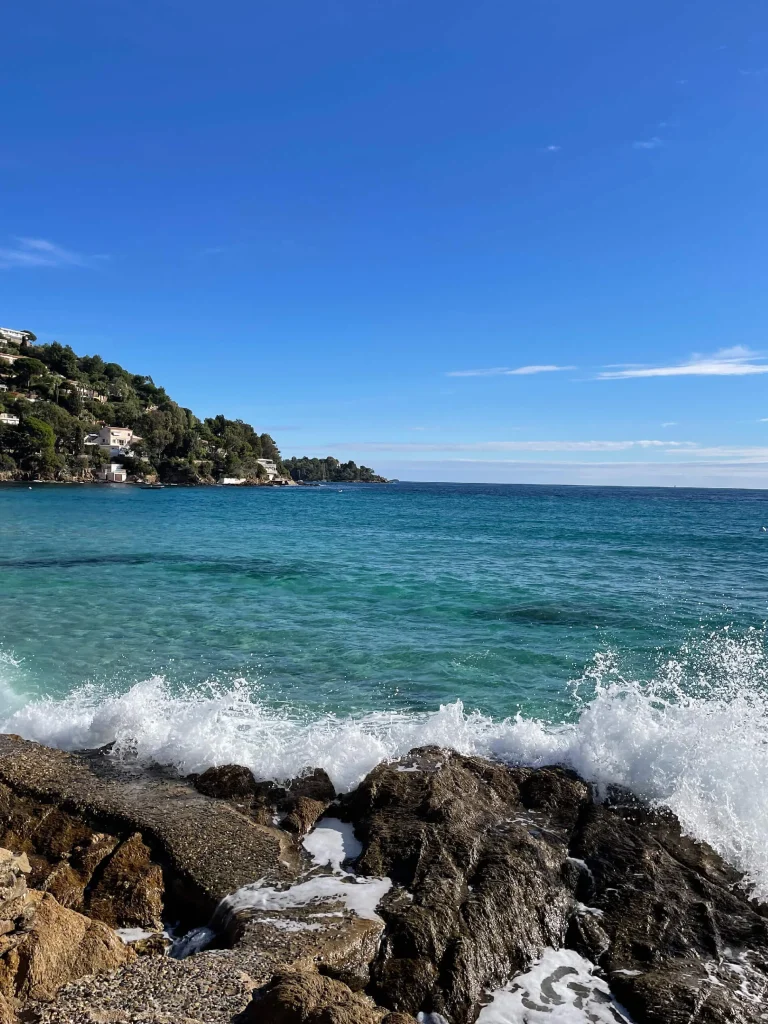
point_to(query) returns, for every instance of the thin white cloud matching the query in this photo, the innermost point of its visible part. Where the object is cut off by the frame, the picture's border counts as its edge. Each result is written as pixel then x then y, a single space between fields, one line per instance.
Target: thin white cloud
pixel 735 453
pixel 728 362
pixel 595 473
pixel 506 371
pixel 38 252
pixel 670 423
pixel 764 419
pixel 512 446
pixel 653 143
pixel 552 149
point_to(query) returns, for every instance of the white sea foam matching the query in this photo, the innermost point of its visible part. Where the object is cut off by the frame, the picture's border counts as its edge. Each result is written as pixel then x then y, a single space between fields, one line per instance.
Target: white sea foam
pixel 360 895
pixel 561 987
pixel 331 842
pixel 694 739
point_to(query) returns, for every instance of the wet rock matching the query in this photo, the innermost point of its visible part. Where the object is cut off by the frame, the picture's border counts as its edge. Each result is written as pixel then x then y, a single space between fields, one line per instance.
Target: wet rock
pixel 307 998
pixel 129 892
pixel 484 869
pixel 303 815
pixel 678 924
pixel 315 784
pixel 157 944
pixel 207 848
pixel 227 782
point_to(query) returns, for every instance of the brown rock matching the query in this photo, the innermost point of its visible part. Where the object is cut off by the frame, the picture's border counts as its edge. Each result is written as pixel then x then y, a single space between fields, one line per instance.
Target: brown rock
pixel 57 946
pixel 7 1016
pixel 310 999
pixel 129 893
pixel 303 815
pixel 485 871
pixel 315 784
pixel 227 782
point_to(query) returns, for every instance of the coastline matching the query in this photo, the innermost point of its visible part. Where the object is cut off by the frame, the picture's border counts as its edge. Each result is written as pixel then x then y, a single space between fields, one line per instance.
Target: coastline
pixel 440 886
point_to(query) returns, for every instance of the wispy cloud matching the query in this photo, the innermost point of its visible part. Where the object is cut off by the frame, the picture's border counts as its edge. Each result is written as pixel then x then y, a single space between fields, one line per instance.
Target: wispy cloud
pixel 38 252
pixel 670 423
pixel 506 371
pixel 753 72
pixel 738 361
pixel 513 446
pixel 552 149
pixel 653 143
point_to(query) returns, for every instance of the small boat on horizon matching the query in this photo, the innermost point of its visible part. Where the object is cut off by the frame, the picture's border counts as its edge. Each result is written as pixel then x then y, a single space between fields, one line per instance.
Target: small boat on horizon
pixel 152 487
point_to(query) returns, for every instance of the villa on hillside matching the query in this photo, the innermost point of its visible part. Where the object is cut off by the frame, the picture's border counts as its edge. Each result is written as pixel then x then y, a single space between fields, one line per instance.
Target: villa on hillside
pixel 9 419
pixel 270 467
pixel 83 391
pixel 15 337
pixel 115 440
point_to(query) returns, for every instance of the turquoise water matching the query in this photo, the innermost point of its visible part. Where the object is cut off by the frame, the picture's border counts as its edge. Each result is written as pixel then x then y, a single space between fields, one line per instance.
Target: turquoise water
pixel 617 631
pixel 402 596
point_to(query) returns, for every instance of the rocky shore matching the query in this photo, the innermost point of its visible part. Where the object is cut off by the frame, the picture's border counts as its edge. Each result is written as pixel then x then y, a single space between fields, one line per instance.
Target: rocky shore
pixel 444 888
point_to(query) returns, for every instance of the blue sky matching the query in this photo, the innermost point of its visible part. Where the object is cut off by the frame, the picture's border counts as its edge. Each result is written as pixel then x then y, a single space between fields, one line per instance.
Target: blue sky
pixel 486 241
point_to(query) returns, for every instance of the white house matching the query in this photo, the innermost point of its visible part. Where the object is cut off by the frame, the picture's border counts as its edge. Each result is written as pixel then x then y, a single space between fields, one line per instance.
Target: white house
pixel 8 419
pixel 114 473
pixel 117 440
pixel 233 481
pixel 270 467
pixel 15 337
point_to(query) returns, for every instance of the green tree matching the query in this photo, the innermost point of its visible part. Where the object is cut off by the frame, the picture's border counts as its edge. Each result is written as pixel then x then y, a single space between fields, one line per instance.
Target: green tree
pixel 36 447
pixel 26 371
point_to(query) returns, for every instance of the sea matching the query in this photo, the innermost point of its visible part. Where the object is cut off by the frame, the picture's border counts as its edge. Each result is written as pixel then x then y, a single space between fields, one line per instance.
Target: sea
pixel 618 631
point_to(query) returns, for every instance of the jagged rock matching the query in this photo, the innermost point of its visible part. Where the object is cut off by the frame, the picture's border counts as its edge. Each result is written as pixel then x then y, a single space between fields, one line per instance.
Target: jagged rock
pixel 681 932
pixel 54 946
pixel 485 871
pixel 315 784
pixel 129 892
pixel 207 847
pixel 303 815
pixel 7 1015
pixel 502 862
pixel 307 998
pixel 227 782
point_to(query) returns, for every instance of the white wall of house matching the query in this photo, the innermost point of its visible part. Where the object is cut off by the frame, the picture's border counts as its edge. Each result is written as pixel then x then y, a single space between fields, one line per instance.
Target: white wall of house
pixel 114 473
pixel 270 467
pixel 9 419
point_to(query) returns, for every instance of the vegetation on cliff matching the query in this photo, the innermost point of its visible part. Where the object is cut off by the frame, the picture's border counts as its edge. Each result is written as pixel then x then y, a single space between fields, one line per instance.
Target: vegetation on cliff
pixel 61 400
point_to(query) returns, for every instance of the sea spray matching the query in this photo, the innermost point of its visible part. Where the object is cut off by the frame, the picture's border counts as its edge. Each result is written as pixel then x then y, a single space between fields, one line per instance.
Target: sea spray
pixel 694 738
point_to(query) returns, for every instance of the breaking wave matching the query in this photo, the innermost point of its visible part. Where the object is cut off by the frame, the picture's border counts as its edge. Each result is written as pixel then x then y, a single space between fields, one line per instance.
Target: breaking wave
pixel 694 738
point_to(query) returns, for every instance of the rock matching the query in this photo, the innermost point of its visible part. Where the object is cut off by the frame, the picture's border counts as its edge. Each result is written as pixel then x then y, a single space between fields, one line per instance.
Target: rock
pixel 308 998
pixel 303 815
pixel 227 782
pixel 485 871
pixel 7 1015
pixel 55 946
pixel 315 783
pixel 504 862
pixel 207 847
pixel 129 892
pixel 157 944
pixel 685 990
pixel 680 931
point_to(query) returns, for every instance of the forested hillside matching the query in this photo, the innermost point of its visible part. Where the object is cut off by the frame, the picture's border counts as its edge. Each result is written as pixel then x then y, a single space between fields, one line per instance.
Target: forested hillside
pixel 61 401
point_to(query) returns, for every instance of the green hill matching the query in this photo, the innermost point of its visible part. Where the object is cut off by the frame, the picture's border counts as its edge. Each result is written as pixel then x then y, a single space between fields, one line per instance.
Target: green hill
pixel 62 402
